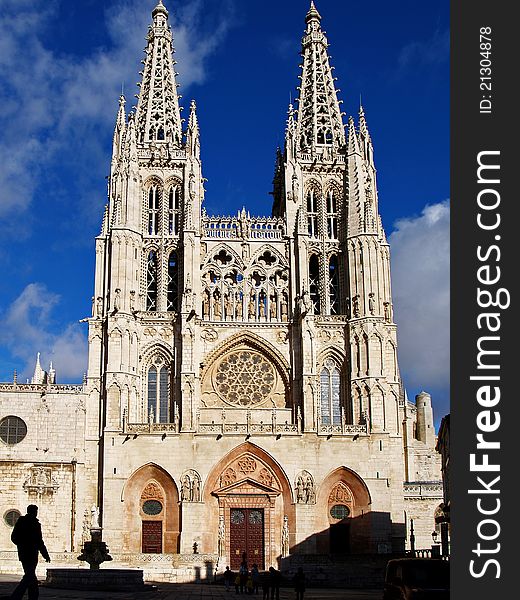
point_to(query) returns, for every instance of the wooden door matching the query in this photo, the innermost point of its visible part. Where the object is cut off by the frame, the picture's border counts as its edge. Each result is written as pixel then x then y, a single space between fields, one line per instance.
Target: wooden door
pixel 152 537
pixel 247 537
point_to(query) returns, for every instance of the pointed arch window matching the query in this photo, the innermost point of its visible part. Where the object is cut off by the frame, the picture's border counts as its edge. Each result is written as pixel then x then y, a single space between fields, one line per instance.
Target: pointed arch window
pixel 158 391
pixel 312 212
pixel 153 210
pixel 314 283
pixel 174 210
pixel 334 285
pixel 332 215
pixel 173 282
pixel 330 388
pixel 151 282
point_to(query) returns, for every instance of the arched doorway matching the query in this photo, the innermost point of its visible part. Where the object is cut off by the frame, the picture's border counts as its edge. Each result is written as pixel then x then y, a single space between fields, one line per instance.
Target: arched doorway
pixel 151 512
pixel 248 497
pixel 343 517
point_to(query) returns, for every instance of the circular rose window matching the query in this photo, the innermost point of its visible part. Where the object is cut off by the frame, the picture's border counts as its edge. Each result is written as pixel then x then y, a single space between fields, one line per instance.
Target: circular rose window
pixel 244 378
pixel 152 507
pixel 12 430
pixel 339 511
pixel 11 516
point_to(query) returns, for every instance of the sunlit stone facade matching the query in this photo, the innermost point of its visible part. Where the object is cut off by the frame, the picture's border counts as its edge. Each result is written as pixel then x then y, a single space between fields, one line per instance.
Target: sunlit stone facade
pixel 243 391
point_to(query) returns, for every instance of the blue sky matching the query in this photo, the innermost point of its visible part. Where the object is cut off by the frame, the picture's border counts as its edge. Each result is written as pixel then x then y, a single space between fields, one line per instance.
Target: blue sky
pixel 63 65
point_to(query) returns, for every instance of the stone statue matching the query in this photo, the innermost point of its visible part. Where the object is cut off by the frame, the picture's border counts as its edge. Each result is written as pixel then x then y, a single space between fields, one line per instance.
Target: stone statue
pixel 117 300
pixel 185 488
pixel 309 491
pixel 285 536
pixel 195 490
pixel 355 305
pixel 217 309
pixel 272 307
pixel 299 490
pixel 284 307
pixel 238 306
pixel 251 307
pixel 261 306
pixel 94 517
pixel 371 303
pixel 132 300
pixel 99 307
pixel 228 306
pixel 221 536
pixel 388 316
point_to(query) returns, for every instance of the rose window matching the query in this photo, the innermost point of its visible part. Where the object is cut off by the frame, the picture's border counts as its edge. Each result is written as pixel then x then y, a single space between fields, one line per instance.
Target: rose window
pixel 244 378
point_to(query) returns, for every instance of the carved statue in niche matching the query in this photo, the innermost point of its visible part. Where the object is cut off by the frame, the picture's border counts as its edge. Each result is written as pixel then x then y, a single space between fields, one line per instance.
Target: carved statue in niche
pixel 228 306
pixel 217 309
pixel 132 300
pixel 238 306
pixel 305 492
pixel 272 307
pixel 99 307
pixel 94 517
pixel 285 536
pixel 261 302
pixel 251 307
pixel 205 305
pixel 371 303
pixel 185 488
pixel 355 305
pixel 117 300
pixel 284 307
pixel 388 315
pixel 195 490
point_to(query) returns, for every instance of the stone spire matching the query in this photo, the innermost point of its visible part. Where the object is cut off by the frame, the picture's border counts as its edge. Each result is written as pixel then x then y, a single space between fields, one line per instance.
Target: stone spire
pixel 320 121
pixel 158 116
pixel 193 133
pixel 39 375
pixel 119 130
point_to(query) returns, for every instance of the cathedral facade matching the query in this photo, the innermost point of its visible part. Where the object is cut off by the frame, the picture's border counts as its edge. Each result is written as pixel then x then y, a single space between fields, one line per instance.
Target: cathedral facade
pixel 243 393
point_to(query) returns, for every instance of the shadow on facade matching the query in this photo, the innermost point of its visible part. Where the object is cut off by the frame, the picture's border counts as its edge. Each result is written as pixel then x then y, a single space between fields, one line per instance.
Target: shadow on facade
pixel 351 553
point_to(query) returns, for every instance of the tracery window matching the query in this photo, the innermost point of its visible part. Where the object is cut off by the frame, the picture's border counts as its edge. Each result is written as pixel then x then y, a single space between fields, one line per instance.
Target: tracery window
pixel 173 283
pixel 332 215
pixel 330 387
pixel 245 378
pixel 174 210
pixel 153 209
pixel 312 212
pixel 151 282
pixel 158 391
pixel 334 285
pixel 314 283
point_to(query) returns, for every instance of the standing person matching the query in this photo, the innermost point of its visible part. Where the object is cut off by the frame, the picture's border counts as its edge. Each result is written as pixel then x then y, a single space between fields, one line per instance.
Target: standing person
pixel 265 586
pixel 274 583
pixel 256 578
pixel 299 584
pixel 27 535
pixel 228 578
pixel 243 572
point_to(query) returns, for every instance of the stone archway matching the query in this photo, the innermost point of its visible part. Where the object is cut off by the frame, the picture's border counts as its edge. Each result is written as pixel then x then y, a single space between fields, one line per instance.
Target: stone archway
pixel 343 516
pixel 245 484
pixel 152 484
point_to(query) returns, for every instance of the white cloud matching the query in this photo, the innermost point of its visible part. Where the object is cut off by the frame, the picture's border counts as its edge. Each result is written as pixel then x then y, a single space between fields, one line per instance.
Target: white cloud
pixel 26 328
pixel 426 53
pixel 56 104
pixel 421 291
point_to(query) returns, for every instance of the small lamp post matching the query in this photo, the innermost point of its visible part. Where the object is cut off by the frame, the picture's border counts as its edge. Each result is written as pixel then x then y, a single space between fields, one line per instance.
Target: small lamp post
pixel 436 549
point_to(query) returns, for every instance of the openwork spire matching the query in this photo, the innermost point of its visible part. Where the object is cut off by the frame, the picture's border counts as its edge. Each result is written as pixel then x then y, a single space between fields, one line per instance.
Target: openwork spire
pixel 319 116
pixel 158 113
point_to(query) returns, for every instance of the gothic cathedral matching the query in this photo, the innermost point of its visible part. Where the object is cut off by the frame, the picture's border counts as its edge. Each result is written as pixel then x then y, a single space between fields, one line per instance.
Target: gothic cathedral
pixel 243 394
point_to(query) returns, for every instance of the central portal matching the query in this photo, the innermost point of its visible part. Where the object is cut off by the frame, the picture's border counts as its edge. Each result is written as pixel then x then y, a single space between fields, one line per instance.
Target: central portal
pixel 246 537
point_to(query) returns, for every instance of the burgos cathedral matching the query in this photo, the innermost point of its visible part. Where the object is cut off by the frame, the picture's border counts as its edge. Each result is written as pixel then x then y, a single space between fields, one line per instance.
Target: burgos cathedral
pixel 243 394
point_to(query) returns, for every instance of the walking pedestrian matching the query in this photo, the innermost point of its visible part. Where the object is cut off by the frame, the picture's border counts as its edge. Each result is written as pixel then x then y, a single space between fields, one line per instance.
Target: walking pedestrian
pixel 299 584
pixel 274 583
pixel 27 535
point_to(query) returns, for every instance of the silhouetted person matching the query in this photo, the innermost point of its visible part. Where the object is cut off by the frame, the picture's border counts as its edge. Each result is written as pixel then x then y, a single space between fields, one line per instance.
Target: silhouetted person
pixel 274 583
pixel 27 535
pixel 299 584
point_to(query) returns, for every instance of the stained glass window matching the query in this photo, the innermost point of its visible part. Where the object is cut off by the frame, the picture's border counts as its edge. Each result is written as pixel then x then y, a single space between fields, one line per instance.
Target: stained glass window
pixel 12 430
pixel 151 282
pixel 330 392
pixel 173 283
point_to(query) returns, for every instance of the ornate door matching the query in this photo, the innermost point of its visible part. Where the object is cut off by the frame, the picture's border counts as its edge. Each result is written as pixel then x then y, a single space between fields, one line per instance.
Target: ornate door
pixel 247 537
pixel 152 537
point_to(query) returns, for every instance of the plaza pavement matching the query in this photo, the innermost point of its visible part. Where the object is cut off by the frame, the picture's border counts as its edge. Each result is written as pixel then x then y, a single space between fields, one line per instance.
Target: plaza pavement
pixel 172 591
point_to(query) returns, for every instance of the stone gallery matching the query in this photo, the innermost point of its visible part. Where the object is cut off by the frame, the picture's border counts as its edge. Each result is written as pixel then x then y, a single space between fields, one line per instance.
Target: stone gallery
pixel 243 394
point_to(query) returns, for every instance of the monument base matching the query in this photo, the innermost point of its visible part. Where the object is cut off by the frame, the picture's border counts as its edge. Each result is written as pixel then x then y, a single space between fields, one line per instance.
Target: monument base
pixel 110 580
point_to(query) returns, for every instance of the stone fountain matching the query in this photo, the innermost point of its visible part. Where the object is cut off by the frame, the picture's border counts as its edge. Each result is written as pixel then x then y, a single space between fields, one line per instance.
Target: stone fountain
pixel 95 552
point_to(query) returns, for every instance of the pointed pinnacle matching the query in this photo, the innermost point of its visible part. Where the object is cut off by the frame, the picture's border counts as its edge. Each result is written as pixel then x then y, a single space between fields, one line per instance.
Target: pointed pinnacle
pixel 313 14
pixel 159 8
